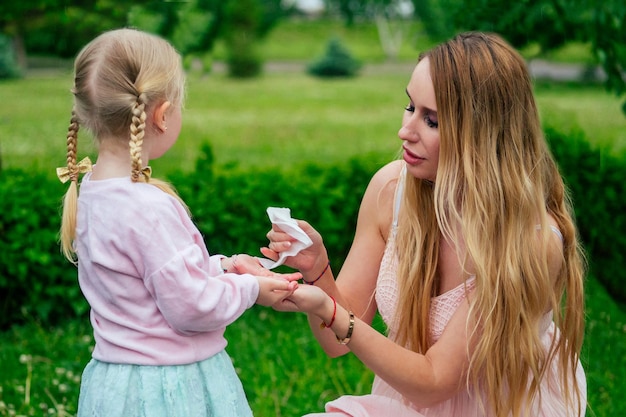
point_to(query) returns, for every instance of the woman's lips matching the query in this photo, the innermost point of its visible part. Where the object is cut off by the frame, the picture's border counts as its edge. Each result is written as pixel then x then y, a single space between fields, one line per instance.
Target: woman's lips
pixel 410 158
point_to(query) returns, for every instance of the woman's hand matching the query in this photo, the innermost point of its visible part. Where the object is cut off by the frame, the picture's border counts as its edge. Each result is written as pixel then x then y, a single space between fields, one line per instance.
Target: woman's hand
pixel 306 299
pixel 274 290
pixel 311 259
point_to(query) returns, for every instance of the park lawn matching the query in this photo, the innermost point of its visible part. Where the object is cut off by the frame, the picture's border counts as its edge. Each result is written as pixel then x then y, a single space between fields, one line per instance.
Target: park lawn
pixel 283 370
pixel 284 119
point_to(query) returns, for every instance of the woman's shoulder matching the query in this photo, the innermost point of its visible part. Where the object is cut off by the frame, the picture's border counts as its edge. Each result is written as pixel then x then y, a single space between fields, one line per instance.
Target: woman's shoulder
pixel 377 204
pixel 391 169
pixel 387 176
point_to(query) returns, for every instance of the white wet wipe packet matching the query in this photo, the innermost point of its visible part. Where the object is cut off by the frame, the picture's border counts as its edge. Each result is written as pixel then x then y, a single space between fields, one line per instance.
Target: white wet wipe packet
pixel 281 217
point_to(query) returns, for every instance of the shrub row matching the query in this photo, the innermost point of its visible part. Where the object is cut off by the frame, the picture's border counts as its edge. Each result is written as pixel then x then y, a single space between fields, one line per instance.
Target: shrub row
pixel 229 208
pixel 228 205
pixel 597 182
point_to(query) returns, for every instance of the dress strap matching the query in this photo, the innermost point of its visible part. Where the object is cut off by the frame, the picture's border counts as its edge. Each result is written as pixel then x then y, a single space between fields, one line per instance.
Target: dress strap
pixel 557 232
pixel 554 229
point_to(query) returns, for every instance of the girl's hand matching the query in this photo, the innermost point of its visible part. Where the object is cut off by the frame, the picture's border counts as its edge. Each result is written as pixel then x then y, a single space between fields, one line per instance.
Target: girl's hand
pixel 306 298
pixel 274 290
pixel 313 258
pixel 246 264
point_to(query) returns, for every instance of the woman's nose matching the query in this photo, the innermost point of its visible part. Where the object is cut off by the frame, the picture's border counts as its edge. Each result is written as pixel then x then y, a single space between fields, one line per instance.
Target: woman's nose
pixel 408 130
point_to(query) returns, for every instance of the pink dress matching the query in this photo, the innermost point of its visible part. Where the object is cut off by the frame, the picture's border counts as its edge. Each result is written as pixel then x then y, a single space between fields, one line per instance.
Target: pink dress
pixel 386 401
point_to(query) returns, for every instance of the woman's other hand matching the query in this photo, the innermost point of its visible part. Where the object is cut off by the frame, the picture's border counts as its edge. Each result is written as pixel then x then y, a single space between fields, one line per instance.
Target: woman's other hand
pixel 313 258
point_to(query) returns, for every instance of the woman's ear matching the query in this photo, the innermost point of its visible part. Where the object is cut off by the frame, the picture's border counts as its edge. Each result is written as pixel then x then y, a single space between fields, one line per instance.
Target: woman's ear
pixel 159 116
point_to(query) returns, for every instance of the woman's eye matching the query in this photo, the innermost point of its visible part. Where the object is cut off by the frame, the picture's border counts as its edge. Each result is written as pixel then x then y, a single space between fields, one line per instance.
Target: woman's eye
pixel 410 108
pixel 430 122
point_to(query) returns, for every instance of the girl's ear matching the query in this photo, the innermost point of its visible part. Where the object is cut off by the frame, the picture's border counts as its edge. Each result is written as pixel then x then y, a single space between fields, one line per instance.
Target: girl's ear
pixel 159 116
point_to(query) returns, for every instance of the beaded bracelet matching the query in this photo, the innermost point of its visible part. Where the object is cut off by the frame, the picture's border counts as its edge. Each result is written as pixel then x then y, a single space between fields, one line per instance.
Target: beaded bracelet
pixel 346 339
pixel 332 320
pixel 320 275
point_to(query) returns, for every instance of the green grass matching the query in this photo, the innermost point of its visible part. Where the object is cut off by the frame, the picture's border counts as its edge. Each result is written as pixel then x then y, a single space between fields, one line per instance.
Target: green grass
pixel 283 370
pixel 305 40
pixel 282 118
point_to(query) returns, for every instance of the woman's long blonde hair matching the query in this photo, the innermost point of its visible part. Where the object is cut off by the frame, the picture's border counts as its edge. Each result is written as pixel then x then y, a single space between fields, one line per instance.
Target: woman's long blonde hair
pixel 496 184
pixel 117 78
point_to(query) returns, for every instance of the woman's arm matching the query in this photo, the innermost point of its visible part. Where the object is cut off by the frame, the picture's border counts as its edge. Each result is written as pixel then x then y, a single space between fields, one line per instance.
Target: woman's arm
pixel 356 283
pixel 424 379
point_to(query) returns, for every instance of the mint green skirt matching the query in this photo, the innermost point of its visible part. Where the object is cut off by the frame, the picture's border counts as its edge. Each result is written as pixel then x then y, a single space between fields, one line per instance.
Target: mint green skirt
pixel 210 388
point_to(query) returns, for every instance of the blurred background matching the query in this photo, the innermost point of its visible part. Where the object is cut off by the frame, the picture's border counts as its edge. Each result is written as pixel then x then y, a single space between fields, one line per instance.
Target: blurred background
pixel 296 104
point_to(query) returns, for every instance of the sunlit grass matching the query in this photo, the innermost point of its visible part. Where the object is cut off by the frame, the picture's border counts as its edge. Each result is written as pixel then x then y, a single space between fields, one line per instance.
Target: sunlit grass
pixel 283 369
pixel 305 40
pixel 281 118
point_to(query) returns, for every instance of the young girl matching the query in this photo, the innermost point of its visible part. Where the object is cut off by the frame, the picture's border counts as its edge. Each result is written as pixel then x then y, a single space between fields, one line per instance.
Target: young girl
pixel 468 250
pixel 159 302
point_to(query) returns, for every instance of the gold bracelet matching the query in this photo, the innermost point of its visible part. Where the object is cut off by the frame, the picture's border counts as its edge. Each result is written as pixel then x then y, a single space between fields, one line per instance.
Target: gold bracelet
pixel 346 339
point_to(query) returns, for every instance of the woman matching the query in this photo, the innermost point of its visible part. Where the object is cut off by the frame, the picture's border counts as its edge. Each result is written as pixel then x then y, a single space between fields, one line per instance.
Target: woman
pixel 468 250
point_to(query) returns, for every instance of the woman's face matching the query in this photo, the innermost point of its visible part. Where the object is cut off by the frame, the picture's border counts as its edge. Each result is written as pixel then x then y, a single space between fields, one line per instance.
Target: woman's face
pixel 420 126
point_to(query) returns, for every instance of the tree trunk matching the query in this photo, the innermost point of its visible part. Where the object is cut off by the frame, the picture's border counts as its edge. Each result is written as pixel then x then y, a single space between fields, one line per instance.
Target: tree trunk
pixel 19 50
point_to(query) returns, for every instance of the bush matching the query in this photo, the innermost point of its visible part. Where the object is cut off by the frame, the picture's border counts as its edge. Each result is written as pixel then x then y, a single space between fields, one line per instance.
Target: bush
pixel 596 180
pixel 228 205
pixel 8 66
pixel 242 21
pixel 337 62
pixel 36 279
pixel 243 61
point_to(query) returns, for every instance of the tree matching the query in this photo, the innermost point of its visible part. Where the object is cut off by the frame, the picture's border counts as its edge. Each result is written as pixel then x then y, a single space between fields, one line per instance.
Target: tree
pixel 57 27
pixel 549 24
pixel 194 27
pixel 62 27
pixel 390 16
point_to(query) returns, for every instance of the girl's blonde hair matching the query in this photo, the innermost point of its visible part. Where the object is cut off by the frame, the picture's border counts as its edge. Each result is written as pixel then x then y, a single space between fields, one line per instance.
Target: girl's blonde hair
pixel 496 184
pixel 117 78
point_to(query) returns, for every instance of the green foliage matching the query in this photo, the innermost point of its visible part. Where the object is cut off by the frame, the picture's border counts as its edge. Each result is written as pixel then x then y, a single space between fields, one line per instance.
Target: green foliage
pixel 8 66
pixel 62 29
pixel 228 204
pixel 300 39
pixel 41 368
pixel 596 182
pixel 241 34
pixel 336 62
pixel 243 59
pixel 228 207
pixel 604 352
pixel 436 17
pixel 546 23
pixel 189 26
pixel 283 370
pixel 40 365
pixel 36 281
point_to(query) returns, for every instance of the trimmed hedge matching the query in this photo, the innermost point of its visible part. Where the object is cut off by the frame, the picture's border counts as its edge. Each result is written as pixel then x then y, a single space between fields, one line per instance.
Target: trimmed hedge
pixel 37 283
pixel 596 180
pixel 228 205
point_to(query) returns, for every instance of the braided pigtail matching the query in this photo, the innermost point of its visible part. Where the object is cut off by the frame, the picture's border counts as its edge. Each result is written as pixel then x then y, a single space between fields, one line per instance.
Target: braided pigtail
pixel 68 221
pixel 138 172
pixel 137 132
